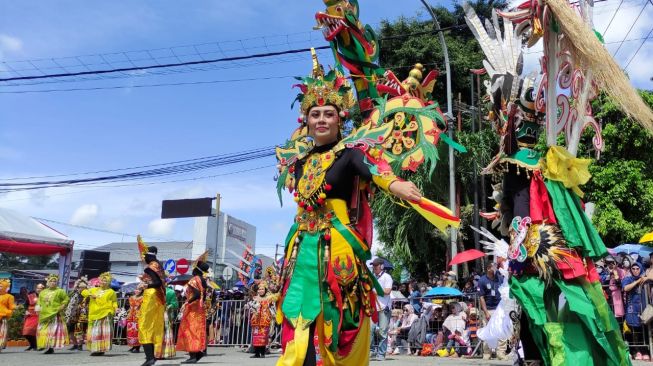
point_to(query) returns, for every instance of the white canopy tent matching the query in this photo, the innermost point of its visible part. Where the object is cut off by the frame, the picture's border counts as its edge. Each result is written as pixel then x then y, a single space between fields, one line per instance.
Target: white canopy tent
pixel 24 235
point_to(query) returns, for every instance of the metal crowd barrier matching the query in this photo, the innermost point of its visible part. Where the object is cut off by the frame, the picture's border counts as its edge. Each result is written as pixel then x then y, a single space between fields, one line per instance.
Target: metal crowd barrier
pixel 434 325
pixel 228 323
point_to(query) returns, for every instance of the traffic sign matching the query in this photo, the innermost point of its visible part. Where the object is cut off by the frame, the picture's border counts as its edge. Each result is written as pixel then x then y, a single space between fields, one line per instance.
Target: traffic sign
pixel 170 266
pixel 182 266
pixel 227 273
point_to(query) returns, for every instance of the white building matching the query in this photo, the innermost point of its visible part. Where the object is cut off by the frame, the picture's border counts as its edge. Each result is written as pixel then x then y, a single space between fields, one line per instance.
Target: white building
pixel 233 236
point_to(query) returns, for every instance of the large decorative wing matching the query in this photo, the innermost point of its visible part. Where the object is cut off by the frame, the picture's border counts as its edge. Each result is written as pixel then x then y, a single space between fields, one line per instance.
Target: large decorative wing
pixel 287 155
pixel 416 130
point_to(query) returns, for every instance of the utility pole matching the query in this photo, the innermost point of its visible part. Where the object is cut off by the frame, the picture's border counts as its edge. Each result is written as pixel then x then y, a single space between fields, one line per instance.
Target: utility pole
pixel 450 126
pixel 217 233
pixel 276 253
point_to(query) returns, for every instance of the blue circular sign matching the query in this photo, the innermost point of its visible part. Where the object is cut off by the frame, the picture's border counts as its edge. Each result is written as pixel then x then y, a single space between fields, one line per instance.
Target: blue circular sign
pixel 170 266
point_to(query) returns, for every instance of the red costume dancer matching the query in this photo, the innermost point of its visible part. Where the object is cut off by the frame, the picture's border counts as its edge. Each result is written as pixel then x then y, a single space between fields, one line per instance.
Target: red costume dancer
pixel 261 310
pixel 32 317
pixel 192 329
pixel 132 321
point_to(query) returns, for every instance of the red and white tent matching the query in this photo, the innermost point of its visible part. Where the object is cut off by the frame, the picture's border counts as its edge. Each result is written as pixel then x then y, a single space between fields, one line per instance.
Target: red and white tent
pixel 24 235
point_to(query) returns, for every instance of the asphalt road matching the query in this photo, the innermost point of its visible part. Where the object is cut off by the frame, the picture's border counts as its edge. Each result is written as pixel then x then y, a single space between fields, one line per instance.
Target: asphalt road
pixel 119 356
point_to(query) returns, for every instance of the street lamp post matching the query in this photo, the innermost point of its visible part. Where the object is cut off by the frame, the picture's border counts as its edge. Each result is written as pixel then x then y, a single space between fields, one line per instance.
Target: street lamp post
pixel 449 114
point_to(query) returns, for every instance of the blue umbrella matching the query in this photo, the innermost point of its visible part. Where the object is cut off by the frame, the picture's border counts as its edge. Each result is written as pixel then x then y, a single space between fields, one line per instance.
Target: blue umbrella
pixel 115 285
pixel 641 250
pixel 443 291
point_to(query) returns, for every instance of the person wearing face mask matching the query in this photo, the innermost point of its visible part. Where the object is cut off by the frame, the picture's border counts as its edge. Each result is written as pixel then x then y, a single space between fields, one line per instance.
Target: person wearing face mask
pixel 51 333
pixel 632 286
pixel 451 280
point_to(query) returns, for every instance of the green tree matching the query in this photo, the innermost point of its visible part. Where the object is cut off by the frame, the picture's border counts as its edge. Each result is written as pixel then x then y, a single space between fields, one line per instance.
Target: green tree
pixel 622 179
pixel 14 261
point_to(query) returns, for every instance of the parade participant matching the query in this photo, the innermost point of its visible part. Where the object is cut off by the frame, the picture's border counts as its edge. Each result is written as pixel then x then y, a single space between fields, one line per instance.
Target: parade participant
pixel 327 291
pixel 167 351
pixel 132 320
pixel 76 322
pixel 32 317
pixel 6 309
pixel 192 329
pixel 102 307
pixel 51 333
pixel 261 308
pixel 552 244
pixel 151 317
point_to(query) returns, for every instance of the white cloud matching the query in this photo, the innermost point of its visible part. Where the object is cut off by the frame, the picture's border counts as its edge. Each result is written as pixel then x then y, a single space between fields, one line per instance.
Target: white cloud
pixel 10 44
pixel 85 214
pixel 116 224
pixel 161 227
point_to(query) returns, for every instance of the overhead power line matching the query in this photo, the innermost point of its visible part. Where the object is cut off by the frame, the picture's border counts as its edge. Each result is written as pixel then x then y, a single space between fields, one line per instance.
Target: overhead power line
pixel 172 169
pixel 639 48
pixel 142 184
pixel 631 27
pixel 201 82
pixel 202 61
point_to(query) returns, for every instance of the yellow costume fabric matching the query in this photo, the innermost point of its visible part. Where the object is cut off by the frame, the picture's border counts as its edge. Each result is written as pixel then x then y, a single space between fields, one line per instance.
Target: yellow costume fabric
pixel 296 348
pixel 104 302
pixel 150 320
pixel 6 306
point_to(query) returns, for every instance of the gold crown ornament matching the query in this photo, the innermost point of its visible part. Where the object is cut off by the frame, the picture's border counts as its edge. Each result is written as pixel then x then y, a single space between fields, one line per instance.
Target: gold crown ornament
pixel 320 89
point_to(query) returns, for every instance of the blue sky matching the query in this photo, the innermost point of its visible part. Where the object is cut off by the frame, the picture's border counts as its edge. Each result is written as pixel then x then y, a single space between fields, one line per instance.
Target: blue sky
pixel 68 132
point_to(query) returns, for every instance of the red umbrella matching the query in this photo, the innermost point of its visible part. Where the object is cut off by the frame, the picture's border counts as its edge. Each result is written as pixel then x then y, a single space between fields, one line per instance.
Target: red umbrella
pixel 466 256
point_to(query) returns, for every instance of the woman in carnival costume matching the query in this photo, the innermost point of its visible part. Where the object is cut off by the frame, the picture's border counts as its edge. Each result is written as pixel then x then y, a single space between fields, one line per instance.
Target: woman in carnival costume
pixel 76 314
pixel 102 307
pixel 31 321
pixel 261 308
pixel 552 244
pixel 327 292
pixel 6 309
pixel 192 329
pixel 151 317
pixel 167 350
pixel 135 302
pixel 51 333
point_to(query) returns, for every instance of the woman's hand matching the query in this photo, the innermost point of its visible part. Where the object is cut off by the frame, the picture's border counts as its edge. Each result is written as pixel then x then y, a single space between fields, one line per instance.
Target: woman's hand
pixel 405 190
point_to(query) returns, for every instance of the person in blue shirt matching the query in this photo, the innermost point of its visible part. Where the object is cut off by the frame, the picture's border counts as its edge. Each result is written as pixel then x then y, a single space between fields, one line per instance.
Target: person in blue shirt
pixel 488 288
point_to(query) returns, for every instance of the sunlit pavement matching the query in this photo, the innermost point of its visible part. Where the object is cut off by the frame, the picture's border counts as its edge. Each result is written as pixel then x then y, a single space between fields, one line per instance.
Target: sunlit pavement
pixel 13 356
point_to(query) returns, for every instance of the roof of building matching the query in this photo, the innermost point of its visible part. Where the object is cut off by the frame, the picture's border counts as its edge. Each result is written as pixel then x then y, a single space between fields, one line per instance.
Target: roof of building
pixel 128 251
